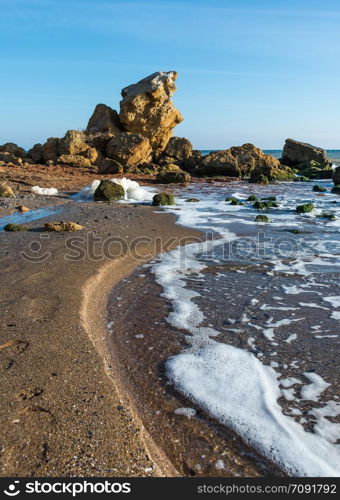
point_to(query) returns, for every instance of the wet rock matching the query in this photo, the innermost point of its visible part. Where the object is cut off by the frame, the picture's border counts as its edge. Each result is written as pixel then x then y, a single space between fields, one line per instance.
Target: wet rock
pixel 252 197
pixel 336 189
pixel 163 199
pixel 305 209
pixel 129 149
pixel 15 227
pixel 36 153
pixel 262 218
pixel 6 191
pixel 63 226
pixel 296 153
pixel 109 191
pixel 319 189
pixel 165 177
pixel 271 171
pixel 22 208
pixel 13 149
pixel 146 108
pixel 336 176
pixel 104 119
pixel 74 160
pixel 192 200
pixel 265 205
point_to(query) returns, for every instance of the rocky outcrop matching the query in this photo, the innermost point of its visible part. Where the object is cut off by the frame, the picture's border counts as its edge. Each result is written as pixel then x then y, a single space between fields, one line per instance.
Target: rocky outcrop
pixel 221 163
pixel 173 177
pixel 104 119
pixel 179 148
pixel 73 143
pixel 250 157
pixel 299 155
pixel 146 108
pixel 74 161
pixel 50 150
pixel 129 149
pixel 271 172
pixel 336 176
pixel 109 166
pixel 36 153
pixel 13 149
pixel 10 158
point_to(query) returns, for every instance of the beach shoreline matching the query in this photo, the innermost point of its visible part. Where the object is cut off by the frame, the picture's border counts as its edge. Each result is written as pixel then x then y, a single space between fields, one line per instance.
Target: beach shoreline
pixel 62 414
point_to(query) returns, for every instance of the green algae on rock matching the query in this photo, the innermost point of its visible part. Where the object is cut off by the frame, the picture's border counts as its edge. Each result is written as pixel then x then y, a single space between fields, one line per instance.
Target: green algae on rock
pixel 305 209
pixel 109 191
pixel 163 199
pixel 15 227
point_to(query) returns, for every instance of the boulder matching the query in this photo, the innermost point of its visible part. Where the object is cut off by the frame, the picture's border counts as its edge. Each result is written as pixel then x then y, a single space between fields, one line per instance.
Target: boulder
pixel 14 149
pixel 109 166
pixel 299 154
pixel 129 149
pixel 336 176
pixel 74 161
pixel 249 157
pixel 179 148
pixel 104 119
pixel 99 141
pixel 6 191
pixel 171 167
pixel 10 158
pixel 63 226
pixel 50 149
pixel 167 160
pixel 109 191
pixel 72 143
pixel 22 208
pixel 36 153
pixel 92 154
pixel 271 172
pixel 163 199
pixel 221 163
pixel 15 227
pixel 181 177
pixel 146 108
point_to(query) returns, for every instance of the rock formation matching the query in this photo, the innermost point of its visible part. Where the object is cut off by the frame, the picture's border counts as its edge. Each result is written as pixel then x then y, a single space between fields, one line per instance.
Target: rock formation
pixel 299 155
pixel 129 149
pixel 221 163
pixel 146 108
pixel 104 119
pixel 13 149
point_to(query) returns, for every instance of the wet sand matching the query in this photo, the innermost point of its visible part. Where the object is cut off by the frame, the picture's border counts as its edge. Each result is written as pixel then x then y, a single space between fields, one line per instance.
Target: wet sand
pixel 64 411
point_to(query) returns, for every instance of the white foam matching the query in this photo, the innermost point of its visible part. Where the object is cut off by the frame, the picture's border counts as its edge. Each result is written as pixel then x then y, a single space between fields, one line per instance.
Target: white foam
pixel 44 191
pixel 313 391
pixel 186 412
pixel 133 191
pixel 241 392
pixel 334 300
pixel 290 338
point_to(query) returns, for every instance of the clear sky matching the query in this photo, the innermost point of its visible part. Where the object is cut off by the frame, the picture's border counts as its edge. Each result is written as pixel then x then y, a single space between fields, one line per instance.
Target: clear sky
pixel 249 70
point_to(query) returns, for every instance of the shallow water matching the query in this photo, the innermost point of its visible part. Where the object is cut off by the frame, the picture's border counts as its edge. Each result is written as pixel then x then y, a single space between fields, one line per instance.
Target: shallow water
pixel 242 330
pixel 26 217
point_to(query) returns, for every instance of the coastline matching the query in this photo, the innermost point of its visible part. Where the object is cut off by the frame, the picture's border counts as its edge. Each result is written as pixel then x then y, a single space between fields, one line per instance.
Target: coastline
pixel 62 414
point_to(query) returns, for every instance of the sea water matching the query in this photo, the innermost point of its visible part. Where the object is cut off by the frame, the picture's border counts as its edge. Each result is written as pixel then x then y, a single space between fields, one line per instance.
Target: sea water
pixel 259 305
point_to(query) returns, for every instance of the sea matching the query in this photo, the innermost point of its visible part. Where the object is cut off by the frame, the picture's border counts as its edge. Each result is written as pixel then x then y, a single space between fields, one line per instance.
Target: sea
pixel 230 344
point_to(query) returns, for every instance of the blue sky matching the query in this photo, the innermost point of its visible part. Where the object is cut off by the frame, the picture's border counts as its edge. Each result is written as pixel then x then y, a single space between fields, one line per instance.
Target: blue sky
pixel 249 71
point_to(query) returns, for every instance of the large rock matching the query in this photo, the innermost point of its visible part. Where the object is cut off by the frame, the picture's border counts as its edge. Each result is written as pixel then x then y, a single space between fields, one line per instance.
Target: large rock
pixel 14 149
pixel 221 163
pixel 50 150
pixel 179 148
pixel 147 109
pixel 173 177
pixel 36 153
pixel 249 157
pixel 336 176
pixel 109 191
pixel 104 119
pixel 72 143
pixel 10 158
pixel 129 149
pixel 265 173
pixel 109 166
pixel 74 161
pixel 299 154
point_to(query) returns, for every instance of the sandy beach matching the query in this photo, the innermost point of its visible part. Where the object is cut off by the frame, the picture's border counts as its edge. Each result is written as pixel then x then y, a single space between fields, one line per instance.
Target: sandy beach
pixel 64 411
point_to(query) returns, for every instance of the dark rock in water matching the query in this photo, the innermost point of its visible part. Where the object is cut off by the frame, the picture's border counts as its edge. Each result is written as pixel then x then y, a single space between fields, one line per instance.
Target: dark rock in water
pixel 192 200
pixel 336 176
pixel 104 119
pixel 262 218
pixel 305 209
pixel 15 227
pixel 13 149
pixel 109 191
pixel 319 189
pixel 252 197
pixel 161 199
pixel 236 202
pixel 299 154
pixel 327 215
pixel 269 198
pixel 165 177
pixel 313 170
pixel 336 189
pixel 265 205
